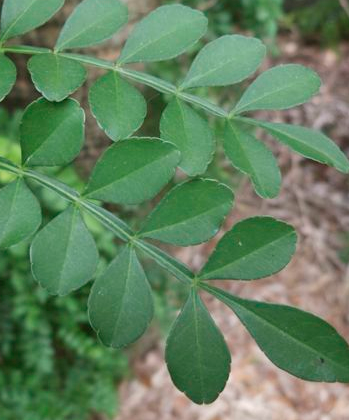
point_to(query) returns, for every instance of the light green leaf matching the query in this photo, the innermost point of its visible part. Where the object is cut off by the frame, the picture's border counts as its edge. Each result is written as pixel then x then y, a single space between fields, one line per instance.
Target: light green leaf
pixel 92 22
pixel 181 125
pixel 8 75
pixel 251 157
pixel 56 77
pixel 21 16
pixel 190 213
pixel 20 214
pixel 225 61
pixel 296 341
pixel 63 254
pixel 165 33
pixel 52 134
pixel 309 143
pixel 120 303
pixel 196 354
pixel 118 107
pixel 254 248
pixel 280 87
pixel 133 171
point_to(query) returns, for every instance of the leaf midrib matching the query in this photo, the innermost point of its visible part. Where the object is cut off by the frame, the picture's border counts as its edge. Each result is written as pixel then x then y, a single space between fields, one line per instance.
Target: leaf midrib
pixel 20 16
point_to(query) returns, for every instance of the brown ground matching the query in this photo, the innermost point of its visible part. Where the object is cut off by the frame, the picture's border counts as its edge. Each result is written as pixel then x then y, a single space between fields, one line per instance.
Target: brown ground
pixel 315 200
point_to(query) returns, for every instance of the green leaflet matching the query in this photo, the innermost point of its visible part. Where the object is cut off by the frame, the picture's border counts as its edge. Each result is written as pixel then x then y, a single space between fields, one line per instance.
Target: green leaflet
pixel 196 354
pixel 56 77
pixel 296 341
pixel 254 248
pixel 280 87
pixel 21 16
pixel 185 128
pixel 92 22
pixel 190 213
pixel 132 171
pixel 165 33
pixel 20 214
pixel 309 143
pixel 254 159
pixel 225 61
pixel 63 254
pixel 51 134
pixel 8 75
pixel 118 107
pixel 120 303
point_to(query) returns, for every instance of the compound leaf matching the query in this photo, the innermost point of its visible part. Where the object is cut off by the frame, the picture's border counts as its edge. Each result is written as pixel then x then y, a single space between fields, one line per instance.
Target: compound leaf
pixel 52 134
pixel 21 16
pixel 190 213
pixel 118 107
pixel 63 254
pixel 56 77
pixel 20 214
pixel 296 341
pixel 8 75
pixel 280 87
pixel 92 22
pixel 196 354
pixel 165 33
pixel 254 248
pixel 132 171
pixel 309 143
pixel 251 157
pixel 225 61
pixel 184 127
pixel 120 303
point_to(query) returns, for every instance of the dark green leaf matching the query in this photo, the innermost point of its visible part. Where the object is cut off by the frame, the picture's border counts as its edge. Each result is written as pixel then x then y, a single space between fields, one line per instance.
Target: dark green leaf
pixel 56 77
pixel 165 33
pixel 309 143
pixel 118 107
pixel 254 248
pixel 21 16
pixel 63 254
pixel 181 125
pixel 133 171
pixel 8 74
pixel 251 157
pixel 196 354
pixel 92 22
pixel 20 214
pixel 190 213
pixel 225 61
pixel 52 134
pixel 120 303
pixel 281 87
pixel 296 341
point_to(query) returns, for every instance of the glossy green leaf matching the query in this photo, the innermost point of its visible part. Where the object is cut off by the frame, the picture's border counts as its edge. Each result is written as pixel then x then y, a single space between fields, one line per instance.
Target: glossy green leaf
pixel 52 134
pixel 280 87
pixel 92 22
pixel 56 77
pixel 190 213
pixel 296 341
pixel 191 134
pixel 20 214
pixel 8 75
pixel 133 171
pixel 63 254
pixel 254 248
pixel 251 157
pixel 225 61
pixel 165 33
pixel 120 303
pixel 118 107
pixel 196 354
pixel 21 16
pixel 309 143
